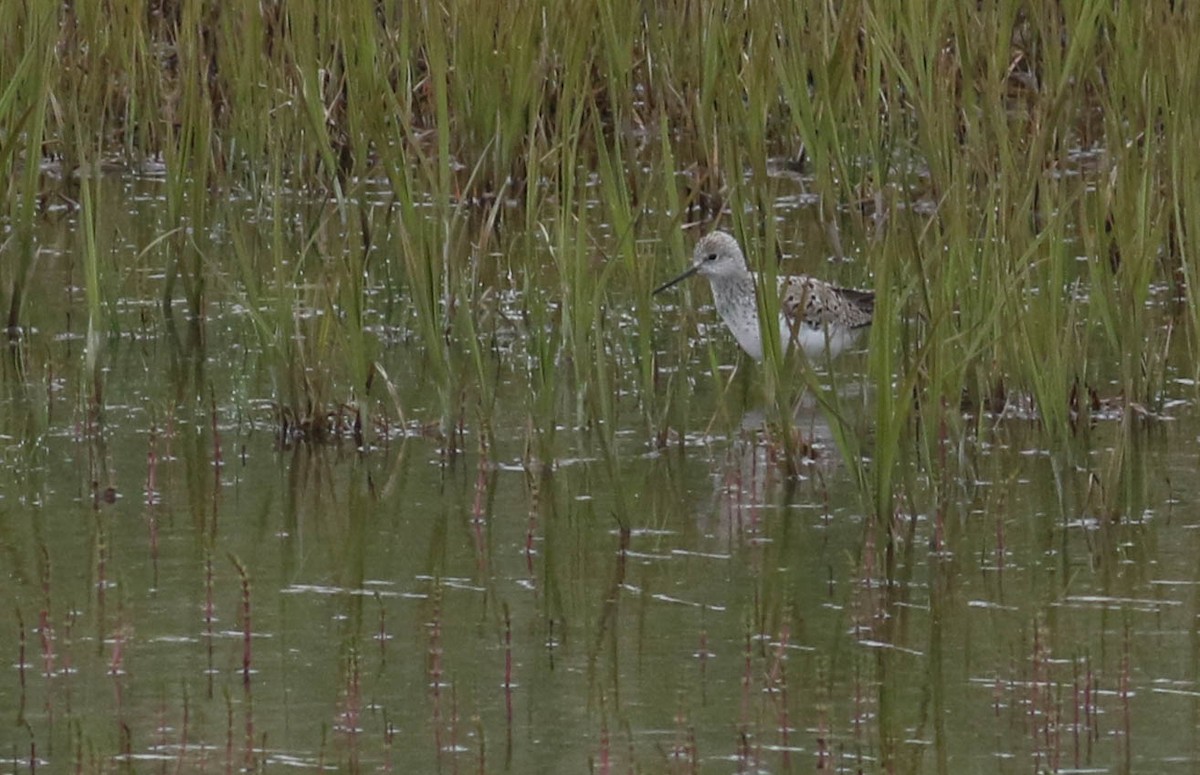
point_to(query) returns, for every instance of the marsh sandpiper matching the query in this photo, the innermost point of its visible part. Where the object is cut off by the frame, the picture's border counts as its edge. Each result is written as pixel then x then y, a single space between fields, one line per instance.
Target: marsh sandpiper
pixel 818 317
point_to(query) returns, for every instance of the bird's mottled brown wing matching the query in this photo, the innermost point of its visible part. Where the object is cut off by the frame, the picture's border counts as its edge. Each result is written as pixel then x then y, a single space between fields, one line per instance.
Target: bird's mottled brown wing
pixel 819 305
pixel 859 306
pixel 794 296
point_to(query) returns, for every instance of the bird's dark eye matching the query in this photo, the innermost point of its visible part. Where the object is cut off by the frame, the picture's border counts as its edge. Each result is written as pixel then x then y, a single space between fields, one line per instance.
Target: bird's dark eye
pixel 711 257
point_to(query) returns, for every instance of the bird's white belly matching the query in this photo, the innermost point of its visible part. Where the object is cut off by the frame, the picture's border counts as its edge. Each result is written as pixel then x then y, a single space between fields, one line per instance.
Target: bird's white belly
pixel 814 341
pixel 742 322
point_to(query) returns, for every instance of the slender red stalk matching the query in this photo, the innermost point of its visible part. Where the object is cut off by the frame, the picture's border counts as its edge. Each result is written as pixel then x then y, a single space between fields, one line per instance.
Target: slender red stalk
pixel 45 628
pixel 382 635
pixel 228 734
pixel 183 732
pixel 208 620
pixel 352 713
pixel 389 738
pixel 508 668
pixel 478 511
pixel 1126 710
pixel 605 753
pixel 247 622
pixel 216 434
pixel 434 656
pixel 152 500
pixel 1075 703
pixel 21 653
pixel 747 679
pixel 823 760
pixel 778 680
pixel 152 469
pixel 454 727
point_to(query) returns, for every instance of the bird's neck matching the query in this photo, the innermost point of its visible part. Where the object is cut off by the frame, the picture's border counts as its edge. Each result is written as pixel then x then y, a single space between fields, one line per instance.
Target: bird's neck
pixel 732 290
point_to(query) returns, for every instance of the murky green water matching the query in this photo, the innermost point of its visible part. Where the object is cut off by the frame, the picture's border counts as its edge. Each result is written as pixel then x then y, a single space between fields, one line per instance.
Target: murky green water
pixel 187 593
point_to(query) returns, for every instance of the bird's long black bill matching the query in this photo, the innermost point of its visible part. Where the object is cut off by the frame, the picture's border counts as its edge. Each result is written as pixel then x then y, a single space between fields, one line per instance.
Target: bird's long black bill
pixel 695 268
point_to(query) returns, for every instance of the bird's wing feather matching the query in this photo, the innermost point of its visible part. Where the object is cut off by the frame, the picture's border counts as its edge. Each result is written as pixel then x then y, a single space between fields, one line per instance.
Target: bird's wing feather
pixel 819 304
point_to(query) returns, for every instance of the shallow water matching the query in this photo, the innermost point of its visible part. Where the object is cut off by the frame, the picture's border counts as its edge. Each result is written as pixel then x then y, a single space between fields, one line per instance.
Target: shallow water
pixel 189 593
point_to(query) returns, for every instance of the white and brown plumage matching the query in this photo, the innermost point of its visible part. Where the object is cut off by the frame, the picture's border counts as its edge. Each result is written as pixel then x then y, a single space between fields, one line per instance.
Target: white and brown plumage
pixel 814 315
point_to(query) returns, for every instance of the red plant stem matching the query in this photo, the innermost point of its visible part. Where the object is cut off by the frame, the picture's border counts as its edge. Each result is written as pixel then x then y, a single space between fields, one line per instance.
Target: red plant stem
pixel 115 664
pixel 246 633
pixel 868 575
pixel 152 500
pixel 508 667
pixel 939 527
pixel 747 680
pixel 162 726
pixel 45 629
pixel 743 751
pixel 435 676
pixel 21 653
pixel 1126 711
pixel 1075 701
pixel 822 739
pixel 1038 724
pixel 67 671
pixel 183 733
pixel 115 668
pixel 478 515
pixel 382 636
pixel 152 470
pixel 248 731
pixel 481 756
pixel 1092 701
pixel 208 619
pixel 454 725
pixel 1094 711
pixel 101 579
pixel 605 757
pixel 860 704
pixel 531 525
pixel 126 741
pixel 216 433
pixel 679 748
pixel 353 712
pixel 1000 542
pixel 389 737
pixel 778 679
pixel 228 734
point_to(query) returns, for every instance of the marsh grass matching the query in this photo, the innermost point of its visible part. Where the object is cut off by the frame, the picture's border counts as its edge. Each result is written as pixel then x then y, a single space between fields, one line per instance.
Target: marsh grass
pixel 24 103
pixel 93 367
